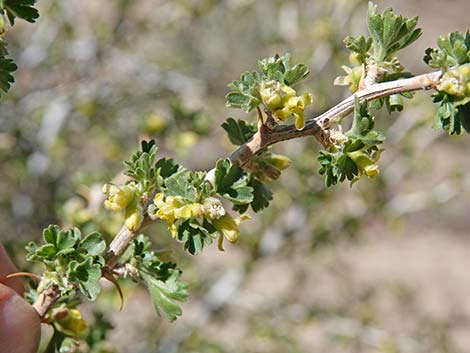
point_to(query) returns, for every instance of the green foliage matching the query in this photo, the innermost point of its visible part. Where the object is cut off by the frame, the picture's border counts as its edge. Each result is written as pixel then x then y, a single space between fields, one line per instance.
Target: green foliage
pixel 7 67
pixel 453 59
pixel 232 183
pixel 97 333
pixel 239 131
pixel 452 116
pixel 359 45
pixel 161 278
pixel 262 195
pixel 144 170
pixel 191 186
pixel 453 50
pixel 19 8
pixel 390 32
pixel 244 93
pixel 72 261
pixel 87 275
pixel 357 155
pixel 195 236
pixel 278 68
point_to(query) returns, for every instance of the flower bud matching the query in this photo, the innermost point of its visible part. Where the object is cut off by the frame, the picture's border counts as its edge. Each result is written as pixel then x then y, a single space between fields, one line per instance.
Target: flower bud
pixel 69 322
pixel 118 196
pixel 274 94
pixel 133 217
pixel 364 163
pixel 279 161
pixel 356 59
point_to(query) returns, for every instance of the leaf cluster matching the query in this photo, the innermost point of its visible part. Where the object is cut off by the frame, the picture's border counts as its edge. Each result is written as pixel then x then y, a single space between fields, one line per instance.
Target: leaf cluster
pixel 148 172
pixel 161 278
pixel 19 9
pixel 244 93
pixel 452 57
pixel 239 131
pixel 71 261
pixel 190 185
pixel 390 32
pixel 12 9
pixel 196 235
pixel 7 67
pixel 352 158
pixel 454 50
pixel 231 182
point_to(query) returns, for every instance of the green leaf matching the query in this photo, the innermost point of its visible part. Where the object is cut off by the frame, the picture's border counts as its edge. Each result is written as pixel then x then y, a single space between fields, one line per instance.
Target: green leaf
pixel 64 241
pixel 164 293
pixel 261 195
pixel 360 45
pixel 141 165
pixel 87 275
pixel 191 186
pixel 47 252
pixel 244 93
pixel 20 8
pixel 295 74
pixel 195 236
pixel 166 167
pixel 231 182
pixel 357 155
pixel 453 117
pixel 94 244
pixel 239 131
pixel 7 66
pixel 390 32
pixel 453 50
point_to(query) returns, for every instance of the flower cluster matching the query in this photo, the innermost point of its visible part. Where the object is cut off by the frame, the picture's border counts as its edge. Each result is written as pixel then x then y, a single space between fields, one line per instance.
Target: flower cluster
pixel 456 81
pixel 174 208
pixel 283 102
pixel 125 197
pixel 353 74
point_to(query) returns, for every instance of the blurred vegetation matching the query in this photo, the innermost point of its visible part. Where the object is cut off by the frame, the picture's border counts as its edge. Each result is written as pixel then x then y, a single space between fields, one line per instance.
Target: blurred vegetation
pixel 372 268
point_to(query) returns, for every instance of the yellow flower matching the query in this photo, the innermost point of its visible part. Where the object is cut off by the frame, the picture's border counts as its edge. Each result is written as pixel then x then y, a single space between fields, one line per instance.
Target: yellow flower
pixel 172 208
pixel 294 105
pixel 69 322
pixel 456 81
pixel 229 226
pixel 213 209
pixel 352 78
pixel 365 163
pixel 118 196
pixel 274 94
pixel 371 170
pixel 134 217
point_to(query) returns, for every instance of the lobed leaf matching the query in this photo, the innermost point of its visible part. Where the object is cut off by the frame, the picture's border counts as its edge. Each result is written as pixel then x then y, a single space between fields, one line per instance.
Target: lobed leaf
pixel 231 183
pixel 20 8
pixel 7 67
pixel 164 293
pixel 239 131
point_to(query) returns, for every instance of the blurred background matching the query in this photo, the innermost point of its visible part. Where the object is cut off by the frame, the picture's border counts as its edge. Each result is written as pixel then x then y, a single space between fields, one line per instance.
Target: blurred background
pixel 383 266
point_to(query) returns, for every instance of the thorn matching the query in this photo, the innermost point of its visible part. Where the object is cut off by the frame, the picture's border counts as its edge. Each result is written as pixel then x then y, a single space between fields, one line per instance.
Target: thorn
pixel 113 280
pixel 24 274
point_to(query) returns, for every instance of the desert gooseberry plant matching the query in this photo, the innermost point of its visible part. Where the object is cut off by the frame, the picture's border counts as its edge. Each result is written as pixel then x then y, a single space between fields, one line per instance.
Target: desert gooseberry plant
pixel 194 205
